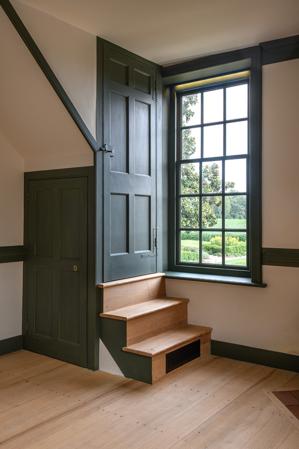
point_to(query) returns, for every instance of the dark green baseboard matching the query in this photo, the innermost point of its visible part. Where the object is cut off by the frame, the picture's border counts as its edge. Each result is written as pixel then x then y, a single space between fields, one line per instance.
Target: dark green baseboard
pixel 11 344
pixel 274 359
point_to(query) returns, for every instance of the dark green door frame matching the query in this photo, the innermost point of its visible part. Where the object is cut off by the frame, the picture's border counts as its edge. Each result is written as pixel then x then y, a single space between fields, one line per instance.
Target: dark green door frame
pixel 92 298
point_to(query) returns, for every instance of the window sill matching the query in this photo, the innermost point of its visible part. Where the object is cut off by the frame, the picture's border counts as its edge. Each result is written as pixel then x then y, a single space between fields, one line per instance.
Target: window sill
pixel 233 280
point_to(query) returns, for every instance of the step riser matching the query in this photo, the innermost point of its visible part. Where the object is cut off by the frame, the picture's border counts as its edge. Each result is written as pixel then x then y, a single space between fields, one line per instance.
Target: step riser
pixel 159 360
pixel 152 324
pixel 128 294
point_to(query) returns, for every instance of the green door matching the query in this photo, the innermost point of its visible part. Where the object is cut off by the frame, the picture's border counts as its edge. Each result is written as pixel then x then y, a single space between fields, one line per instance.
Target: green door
pixel 55 300
pixel 129 166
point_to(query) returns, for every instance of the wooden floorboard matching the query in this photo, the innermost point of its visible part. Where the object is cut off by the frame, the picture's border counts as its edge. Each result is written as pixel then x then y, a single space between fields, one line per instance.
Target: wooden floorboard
pixel 214 404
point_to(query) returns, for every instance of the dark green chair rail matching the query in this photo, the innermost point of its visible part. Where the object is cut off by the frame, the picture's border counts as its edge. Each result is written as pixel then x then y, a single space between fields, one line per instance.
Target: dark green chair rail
pixel 12 253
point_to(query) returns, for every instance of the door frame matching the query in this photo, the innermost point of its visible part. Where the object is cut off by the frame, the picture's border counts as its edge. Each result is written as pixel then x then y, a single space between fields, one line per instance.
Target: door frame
pixel 93 307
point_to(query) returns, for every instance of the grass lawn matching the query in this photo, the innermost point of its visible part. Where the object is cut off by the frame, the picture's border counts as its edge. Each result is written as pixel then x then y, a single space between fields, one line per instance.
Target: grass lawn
pixel 232 223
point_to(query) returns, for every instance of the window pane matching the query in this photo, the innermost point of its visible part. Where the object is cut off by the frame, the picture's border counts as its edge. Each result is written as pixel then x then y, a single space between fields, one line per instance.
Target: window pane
pixel 237 102
pixel 213 106
pixel 213 140
pixel 190 178
pixel 190 212
pixel 191 110
pixel 235 175
pixel 212 247
pixel 236 138
pixel 235 212
pixel 189 241
pixel 212 212
pixel 212 177
pixel 191 143
pixel 236 248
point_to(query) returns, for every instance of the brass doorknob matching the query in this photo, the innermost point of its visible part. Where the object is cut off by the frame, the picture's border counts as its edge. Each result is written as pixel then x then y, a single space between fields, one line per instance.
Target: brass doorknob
pixel 75 267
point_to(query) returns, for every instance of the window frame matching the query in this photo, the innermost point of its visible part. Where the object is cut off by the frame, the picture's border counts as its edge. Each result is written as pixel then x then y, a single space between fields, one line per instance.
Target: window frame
pixel 244 270
pixel 254 230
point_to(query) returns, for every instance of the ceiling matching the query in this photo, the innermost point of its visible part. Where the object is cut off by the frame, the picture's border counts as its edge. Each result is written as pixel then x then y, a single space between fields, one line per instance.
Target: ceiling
pixel 167 31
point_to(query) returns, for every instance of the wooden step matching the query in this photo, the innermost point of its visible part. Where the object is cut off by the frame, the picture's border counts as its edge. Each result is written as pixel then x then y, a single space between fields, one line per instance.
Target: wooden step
pixel 143 308
pixel 169 341
pixel 149 318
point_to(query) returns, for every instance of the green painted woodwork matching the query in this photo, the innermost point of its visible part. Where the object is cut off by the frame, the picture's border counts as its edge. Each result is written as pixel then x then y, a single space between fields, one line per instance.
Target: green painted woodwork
pixel 59 290
pixel 12 253
pixel 126 178
pixel 113 335
pixel 11 344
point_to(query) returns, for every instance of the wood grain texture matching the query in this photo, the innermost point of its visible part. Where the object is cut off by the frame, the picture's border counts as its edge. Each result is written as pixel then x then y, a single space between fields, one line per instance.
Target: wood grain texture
pixel 142 308
pixel 152 324
pixel 158 367
pixel 130 280
pixel 138 290
pixel 169 341
pixel 215 404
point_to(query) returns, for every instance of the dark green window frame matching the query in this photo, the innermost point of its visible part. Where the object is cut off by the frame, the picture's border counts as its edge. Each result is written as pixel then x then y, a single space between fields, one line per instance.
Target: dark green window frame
pixel 201 195
pixel 254 268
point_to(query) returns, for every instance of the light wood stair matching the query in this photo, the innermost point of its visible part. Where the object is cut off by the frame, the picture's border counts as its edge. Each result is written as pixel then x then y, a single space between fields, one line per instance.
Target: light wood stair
pixel 149 334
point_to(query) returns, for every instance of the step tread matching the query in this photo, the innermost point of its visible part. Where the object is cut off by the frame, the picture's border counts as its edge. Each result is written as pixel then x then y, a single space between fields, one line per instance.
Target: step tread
pixel 142 308
pixel 168 341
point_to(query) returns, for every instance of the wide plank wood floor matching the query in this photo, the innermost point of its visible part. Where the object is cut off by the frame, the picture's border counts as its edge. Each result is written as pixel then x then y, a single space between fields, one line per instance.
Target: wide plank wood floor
pixel 216 404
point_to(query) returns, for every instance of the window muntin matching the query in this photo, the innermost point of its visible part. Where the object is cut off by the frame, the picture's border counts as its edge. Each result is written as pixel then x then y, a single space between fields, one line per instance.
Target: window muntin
pixel 212 167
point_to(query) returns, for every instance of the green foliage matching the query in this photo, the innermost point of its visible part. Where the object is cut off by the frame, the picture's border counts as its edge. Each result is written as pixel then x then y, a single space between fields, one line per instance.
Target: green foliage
pixel 213 246
pixel 211 180
pixel 188 102
pixel 235 206
pixel 190 212
pixel 189 178
pixel 235 247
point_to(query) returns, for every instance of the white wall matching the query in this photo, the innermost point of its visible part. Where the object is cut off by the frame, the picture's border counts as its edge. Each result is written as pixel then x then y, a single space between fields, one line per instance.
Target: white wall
pixel 31 114
pixel 71 53
pixel 39 133
pixel 281 155
pixel 264 318
pixel 11 233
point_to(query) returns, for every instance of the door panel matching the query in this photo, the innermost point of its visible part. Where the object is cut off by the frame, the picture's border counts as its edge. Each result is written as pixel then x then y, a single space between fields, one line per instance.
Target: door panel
pixel 119 136
pixel 43 307
pixel 142 142
pixel 56 269
pixel 129 189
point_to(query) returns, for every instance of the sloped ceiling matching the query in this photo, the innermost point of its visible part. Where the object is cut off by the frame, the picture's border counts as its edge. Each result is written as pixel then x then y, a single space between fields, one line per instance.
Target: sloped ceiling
pixel 32 117
pixel 173 30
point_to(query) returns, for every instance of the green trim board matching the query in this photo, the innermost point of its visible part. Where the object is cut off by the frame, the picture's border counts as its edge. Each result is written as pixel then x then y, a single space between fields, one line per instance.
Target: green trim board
pixel 200 277
pixel 11 344
pixel 277 50
pixel 92 299
pixel 254 182
pixel 48 72
pixel 12 253
pixel 259 356
pixel 113 335
pixel 282 257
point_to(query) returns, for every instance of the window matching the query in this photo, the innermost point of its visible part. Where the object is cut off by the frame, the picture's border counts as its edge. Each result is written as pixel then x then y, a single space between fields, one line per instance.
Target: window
pixel 212 177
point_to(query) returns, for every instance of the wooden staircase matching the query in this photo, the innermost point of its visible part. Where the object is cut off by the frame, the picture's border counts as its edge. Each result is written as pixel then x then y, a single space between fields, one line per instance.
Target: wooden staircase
pixel 146 332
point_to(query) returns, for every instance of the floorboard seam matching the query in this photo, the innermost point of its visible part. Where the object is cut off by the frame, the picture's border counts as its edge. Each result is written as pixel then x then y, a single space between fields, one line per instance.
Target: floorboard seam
pixel 224 407
pixel 65 413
